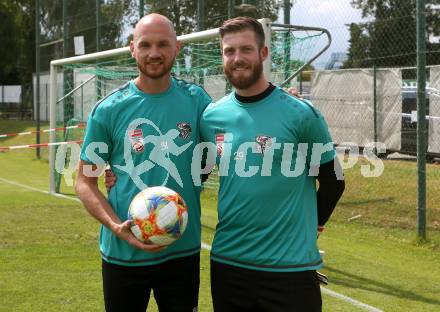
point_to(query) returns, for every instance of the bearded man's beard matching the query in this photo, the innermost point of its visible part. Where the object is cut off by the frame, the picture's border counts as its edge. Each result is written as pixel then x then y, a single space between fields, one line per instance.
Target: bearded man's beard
pixel 239 81
pixel 155 74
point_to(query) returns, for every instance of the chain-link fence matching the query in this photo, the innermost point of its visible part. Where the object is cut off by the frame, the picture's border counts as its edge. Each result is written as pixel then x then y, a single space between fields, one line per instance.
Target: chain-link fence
pixel 366 87
pixel 372 111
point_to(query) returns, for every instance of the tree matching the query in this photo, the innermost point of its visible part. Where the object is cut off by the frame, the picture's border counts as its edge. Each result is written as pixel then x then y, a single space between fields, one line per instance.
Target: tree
pixel 17 33
pixel 358 54
pixel 17 45
pixel 183 13
pixel 81 20
pixel 390 38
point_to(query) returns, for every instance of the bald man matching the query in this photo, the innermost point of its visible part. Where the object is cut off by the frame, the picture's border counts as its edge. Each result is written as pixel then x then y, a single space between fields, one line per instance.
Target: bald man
pixel 152 105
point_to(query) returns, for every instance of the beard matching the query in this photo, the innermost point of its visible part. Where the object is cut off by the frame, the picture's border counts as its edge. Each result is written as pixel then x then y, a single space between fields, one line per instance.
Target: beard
pixel 155 74
pixel 240 81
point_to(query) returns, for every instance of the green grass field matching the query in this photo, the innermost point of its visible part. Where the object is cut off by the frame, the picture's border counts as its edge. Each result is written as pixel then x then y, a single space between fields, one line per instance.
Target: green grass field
pixel 50 260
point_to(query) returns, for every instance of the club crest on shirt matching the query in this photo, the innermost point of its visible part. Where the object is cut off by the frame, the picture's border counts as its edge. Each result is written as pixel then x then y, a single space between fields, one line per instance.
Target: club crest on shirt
pixel 184 129
pixel 137 140
pixel 262 142
pixel 219 140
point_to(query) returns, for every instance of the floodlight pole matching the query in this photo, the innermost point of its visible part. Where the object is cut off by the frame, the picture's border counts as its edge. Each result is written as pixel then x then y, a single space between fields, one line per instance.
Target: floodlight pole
pixel 200 27
pixel 421 120
pixel 231 8
pixel 65 52
pixel 98 27
pixel 287 40
pixel 37 73
pixel 231 14
pixel 286 11
pixel 200 15
pixel 98 43
pixel 65 29
pixel 141 8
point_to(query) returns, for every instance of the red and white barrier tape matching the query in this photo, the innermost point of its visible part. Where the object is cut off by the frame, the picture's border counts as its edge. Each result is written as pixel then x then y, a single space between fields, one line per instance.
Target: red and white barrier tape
pixel 7 148
pixel 46 130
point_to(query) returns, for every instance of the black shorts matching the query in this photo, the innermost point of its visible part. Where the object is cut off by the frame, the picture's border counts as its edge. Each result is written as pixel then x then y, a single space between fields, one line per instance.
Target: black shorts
pixel 235 289
pixel 175 285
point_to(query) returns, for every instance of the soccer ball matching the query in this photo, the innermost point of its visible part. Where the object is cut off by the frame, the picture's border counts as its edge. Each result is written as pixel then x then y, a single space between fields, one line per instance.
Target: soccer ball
pixel 158 215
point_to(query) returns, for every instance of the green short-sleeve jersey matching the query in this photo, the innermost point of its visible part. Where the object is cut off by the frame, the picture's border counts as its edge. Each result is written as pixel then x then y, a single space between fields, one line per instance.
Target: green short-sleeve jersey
pixel 148 139
pixel 267 207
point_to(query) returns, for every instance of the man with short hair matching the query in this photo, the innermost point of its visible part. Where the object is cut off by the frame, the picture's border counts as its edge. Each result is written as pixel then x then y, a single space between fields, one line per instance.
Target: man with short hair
pixel 135 129
pixel 264 255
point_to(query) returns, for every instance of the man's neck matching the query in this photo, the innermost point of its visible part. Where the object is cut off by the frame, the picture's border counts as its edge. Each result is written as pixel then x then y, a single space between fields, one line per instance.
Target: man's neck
pixel 152 86
pixel 255 89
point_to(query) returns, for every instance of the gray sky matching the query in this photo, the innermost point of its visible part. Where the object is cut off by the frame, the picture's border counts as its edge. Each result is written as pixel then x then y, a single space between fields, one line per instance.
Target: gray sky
pixel 329 14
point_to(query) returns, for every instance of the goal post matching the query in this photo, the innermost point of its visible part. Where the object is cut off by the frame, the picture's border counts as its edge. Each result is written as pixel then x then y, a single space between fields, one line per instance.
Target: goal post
pixel 77 83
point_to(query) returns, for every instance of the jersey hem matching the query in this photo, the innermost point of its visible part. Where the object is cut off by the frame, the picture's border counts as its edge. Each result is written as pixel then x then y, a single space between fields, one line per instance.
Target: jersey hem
pixel 268 268
pixel 152 261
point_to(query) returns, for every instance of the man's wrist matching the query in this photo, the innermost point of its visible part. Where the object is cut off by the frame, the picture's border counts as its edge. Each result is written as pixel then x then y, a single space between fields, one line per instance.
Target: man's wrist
pixel 113 226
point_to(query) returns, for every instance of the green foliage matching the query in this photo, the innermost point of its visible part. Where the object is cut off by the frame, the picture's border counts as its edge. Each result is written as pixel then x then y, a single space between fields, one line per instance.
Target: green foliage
pixel 183 13
pixel 17 41
pixel 389 37
pixel 18 32
pixel 81 20
pixel 358 52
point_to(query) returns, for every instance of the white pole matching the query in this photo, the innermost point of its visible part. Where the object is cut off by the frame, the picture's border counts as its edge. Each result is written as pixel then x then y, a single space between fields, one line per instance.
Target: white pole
pixel 52 112
pixel 197 36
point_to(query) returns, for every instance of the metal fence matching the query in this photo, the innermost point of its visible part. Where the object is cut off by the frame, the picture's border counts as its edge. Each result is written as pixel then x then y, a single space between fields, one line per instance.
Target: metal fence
pixel 369 94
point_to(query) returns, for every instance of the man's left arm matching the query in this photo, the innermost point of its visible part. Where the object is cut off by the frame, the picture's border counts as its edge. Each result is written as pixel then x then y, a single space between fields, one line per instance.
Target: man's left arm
pixel 331 187
pixel 325 163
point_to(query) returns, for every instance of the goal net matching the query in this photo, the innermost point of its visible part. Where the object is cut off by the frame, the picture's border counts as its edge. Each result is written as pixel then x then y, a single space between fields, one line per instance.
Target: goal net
pixel 77 83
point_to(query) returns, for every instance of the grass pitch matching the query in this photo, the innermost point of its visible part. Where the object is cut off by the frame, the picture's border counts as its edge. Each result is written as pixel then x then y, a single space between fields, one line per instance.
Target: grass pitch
pixel 50 260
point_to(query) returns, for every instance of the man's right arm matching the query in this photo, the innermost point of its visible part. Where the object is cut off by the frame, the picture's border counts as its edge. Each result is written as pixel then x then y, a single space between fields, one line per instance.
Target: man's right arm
pixel 95 202
pixel 97 205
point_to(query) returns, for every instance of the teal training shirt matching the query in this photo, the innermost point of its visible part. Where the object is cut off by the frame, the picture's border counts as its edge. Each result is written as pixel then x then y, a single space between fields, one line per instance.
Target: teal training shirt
pixel 267 207
pixel 150 140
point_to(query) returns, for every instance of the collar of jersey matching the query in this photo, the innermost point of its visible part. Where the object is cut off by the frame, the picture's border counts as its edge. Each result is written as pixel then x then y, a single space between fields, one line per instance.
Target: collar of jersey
pixel 253 104
pixel 153 95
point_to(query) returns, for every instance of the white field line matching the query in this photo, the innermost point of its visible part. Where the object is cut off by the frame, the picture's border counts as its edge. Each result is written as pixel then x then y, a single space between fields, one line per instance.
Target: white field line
pixel 325 290
pixel 354 302
pixel 38 190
